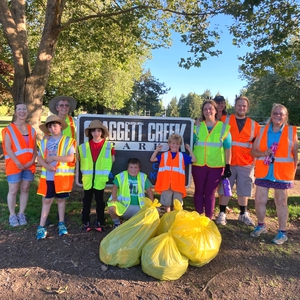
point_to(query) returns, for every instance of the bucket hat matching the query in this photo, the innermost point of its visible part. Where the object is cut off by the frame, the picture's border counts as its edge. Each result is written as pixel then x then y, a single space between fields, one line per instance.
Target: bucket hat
pixel 54 101
pixel 96 124
pixel 53 118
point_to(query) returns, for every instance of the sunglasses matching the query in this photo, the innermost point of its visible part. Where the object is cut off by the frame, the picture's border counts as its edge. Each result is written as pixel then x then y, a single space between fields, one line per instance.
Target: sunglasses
pixel 64 105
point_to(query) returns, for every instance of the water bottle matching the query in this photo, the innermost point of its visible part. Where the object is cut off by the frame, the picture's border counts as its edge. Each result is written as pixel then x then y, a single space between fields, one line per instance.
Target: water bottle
pixel 226 187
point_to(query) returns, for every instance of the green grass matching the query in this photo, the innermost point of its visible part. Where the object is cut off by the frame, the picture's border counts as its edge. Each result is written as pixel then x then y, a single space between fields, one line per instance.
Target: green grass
pixel 74 205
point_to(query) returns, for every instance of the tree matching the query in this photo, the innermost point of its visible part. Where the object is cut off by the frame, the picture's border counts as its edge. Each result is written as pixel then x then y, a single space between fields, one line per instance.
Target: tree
pixel 172 108
pixel 32 31
pixel 191 106
pixel 270 27
pixel 266 91
pixel 146 96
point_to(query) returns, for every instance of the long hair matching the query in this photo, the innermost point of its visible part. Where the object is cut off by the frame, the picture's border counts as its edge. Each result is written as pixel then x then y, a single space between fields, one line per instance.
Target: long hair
pixel 286 117
pixel 213 103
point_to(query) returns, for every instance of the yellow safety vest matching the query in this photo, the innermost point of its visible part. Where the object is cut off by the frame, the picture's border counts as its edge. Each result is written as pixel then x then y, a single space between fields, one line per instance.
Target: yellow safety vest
pixel 208 148
pixel 123 195
pixel 95 175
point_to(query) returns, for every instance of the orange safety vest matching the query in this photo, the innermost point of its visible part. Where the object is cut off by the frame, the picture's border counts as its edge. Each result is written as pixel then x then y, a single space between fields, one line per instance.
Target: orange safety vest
pixel 171 174
pixel 241 141
pixel 284 165
pixel 64 174
pixel 23 152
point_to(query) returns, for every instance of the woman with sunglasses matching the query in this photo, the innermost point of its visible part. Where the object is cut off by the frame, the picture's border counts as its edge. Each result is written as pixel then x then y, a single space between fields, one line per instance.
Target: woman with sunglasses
pixel 63 106
pixel 276 150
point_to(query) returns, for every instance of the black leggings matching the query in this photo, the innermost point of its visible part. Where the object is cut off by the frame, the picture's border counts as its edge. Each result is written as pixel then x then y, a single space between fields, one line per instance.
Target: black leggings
pixel 100 205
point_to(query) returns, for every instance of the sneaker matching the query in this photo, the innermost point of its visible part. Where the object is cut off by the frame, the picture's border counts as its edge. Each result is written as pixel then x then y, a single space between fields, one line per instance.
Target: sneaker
pixel 221 219
pixel 62 229
pixel 99 227
pixel 258 230
pixel 280 238
pixel 87 227
pixel 245 218
pixel 22 219
pixel 13 221
pixel 41 233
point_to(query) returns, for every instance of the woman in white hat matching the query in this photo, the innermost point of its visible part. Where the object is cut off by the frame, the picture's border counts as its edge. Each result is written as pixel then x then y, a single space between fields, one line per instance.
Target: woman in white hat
pixel 63 106
pixel 96 158
pixel 57 157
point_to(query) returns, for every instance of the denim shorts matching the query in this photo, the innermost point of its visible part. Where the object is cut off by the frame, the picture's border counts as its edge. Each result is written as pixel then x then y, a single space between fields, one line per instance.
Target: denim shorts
pixel 25 175
pixel 51 191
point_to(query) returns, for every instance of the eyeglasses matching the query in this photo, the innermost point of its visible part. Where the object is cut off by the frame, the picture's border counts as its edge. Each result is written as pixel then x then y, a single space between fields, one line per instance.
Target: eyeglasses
pixel 64 105
pixel 278 114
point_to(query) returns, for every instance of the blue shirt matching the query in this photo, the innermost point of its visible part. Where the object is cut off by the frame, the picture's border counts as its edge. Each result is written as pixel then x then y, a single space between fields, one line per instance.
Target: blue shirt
pixel 273 137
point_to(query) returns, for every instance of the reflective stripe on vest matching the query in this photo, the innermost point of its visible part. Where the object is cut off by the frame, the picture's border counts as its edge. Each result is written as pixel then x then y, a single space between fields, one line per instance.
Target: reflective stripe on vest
pixel 210 144
pixel 15 140
pixel 179 169
pixel 243 144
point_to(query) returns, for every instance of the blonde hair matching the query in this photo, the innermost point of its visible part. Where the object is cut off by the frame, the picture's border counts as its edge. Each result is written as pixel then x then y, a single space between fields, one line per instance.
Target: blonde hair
pixel 175 138
pixel 242 98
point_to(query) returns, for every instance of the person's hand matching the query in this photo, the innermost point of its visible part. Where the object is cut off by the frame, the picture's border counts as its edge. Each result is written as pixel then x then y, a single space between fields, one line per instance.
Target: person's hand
pixel 187 147
pixel 49 159
pixel 20 166
pixel 50 168
pixel 159 147
pixel 227 171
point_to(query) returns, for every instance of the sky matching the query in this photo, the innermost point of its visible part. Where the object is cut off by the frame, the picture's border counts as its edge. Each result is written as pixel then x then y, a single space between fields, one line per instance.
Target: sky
pixel 218 74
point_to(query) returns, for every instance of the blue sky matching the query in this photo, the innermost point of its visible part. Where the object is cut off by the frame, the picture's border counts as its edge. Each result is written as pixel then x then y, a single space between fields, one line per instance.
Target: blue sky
pixel 218 74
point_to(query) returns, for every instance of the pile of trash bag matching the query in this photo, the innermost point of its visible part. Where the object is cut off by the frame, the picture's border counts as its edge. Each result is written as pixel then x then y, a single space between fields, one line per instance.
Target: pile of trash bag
pixel 165 247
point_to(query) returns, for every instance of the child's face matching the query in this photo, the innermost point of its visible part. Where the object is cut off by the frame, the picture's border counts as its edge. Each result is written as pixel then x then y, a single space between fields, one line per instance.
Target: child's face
pixel 54 129
pixel 174 146
pixel 133 169
pixel 96 134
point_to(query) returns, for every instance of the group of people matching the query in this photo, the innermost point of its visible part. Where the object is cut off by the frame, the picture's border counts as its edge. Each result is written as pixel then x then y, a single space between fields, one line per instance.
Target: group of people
pixel 224 146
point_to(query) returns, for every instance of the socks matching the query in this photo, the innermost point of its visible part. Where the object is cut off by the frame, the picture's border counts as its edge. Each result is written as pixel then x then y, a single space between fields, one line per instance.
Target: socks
pixel 117 221
pixel 243 209
pixel 223 208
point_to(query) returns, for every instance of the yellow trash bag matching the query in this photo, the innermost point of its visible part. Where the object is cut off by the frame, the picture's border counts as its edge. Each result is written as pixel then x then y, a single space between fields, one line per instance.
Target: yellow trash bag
pixel 168 218
pixel 123 246
pixel 161 258
pixel 198 240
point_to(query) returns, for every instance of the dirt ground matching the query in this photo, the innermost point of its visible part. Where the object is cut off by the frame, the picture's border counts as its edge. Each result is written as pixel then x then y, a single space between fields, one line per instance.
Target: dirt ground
pixel 69 267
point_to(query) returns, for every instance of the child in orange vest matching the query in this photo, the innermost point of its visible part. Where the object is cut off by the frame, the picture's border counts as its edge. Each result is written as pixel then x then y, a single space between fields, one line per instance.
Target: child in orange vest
pixel 57 158
pixel 170 182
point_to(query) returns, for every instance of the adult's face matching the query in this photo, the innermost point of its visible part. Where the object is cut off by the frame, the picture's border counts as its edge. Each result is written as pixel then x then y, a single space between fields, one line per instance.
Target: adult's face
pixel 209 112
pixel 221 106
pixel 63 107
pixel 241 108
pixel 278 117
pixel 21 112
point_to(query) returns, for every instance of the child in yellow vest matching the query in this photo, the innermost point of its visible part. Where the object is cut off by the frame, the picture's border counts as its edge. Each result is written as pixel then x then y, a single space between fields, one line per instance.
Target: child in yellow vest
pixel 96 158
pixel 128 192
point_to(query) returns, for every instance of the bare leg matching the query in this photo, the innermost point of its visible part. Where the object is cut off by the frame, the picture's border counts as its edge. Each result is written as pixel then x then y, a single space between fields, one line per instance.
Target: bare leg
pixel 261 198
pixel 243 201
pixel 280 198
pixel 24 192
pixel 112 212
pixel 13 189
pixel 46 205
pixel 61 207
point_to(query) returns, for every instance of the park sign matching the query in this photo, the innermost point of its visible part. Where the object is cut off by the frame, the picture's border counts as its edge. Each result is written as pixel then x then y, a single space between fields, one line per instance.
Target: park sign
pixel 137 137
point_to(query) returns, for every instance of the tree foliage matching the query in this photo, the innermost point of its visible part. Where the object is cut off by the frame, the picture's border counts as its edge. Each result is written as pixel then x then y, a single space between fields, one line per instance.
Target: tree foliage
pixel 266 91
pixel 270 28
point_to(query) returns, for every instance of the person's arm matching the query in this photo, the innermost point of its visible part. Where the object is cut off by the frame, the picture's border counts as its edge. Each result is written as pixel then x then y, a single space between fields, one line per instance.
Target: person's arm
pixel 114 192
pixel 11 154
pixel 66 158
pixel 153 157
pixel 256 153
pixel 32 161
pixel 150 193
pixel 113 158
pixel 44 164
pixel 295 152
pixel 187 147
